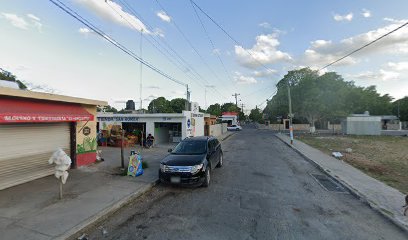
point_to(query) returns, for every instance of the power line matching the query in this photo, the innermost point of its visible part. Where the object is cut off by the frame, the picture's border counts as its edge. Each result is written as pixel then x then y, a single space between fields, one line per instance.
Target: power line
pixel 229 35
pixel 179 58
pixel 154 45
pixel 364 46
pixel 211 42
pixel 267 99
pixel 78 17
pixel 190 44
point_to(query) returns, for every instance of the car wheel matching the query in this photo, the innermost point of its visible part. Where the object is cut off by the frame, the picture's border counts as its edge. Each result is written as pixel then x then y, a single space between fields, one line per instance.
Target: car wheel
pixel 220 163
pixel 207 177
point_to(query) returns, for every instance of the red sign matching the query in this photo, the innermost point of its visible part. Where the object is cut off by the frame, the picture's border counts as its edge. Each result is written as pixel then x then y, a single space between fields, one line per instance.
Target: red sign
pixel 21 110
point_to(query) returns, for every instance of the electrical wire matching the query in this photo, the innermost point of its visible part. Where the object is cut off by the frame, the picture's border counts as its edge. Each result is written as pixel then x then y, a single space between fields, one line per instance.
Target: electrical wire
pixel 229 35
pixel 190 44
pixel 210 40
pixel 364 46
pixel 81 19
pixel 267 99
pixel 180 59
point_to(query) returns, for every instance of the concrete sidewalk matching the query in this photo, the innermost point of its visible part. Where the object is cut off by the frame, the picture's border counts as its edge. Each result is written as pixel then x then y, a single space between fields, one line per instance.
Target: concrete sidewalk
pixel 33 210
pixel 381 197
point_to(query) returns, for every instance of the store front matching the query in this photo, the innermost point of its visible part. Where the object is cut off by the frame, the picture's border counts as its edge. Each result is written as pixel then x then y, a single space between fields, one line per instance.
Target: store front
pixel 165 127
pixel 34 125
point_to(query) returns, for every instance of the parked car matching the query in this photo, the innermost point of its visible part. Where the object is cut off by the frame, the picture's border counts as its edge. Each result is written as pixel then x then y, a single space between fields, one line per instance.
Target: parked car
pixel 191 162
pixel 234 128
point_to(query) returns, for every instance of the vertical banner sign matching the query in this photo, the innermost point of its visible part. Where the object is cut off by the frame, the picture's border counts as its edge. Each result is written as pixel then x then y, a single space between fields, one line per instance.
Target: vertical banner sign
pixel 135 165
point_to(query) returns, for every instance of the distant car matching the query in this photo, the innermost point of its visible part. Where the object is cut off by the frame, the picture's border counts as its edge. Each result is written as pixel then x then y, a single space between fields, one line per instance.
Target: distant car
pixel 192 161
pixel 234 128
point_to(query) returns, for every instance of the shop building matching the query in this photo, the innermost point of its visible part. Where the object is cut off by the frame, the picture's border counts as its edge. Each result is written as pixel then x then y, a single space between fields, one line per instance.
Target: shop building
pixel 165 127
pixel 231 118
pixel 33 125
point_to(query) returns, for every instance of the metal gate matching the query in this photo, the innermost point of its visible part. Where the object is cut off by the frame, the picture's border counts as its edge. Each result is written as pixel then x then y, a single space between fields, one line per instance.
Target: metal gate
pixel 26 148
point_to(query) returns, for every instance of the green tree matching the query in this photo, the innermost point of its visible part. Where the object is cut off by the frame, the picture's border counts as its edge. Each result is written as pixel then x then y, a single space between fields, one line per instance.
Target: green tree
pixel 12 78
pixel 178 105
pixel 241 116
pixel 106 109
pixel 401 106
pixel 324 97
pixel 255 115
pixel 160 105
pixel 214 109
pixel 229 107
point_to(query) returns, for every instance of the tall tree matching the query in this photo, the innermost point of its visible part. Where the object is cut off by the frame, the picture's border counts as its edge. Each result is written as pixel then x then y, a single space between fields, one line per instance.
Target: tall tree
pixel 178 105
pixel 401 107
pixel 214 109
pixel 255 115
pixel 229 107
pixel 160 105
pixel 106 109
pixel 10 77
pixel 324 97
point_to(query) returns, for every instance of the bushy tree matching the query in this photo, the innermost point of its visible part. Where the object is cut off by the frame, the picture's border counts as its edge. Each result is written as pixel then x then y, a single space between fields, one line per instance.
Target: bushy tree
pixel 12 78
pixel 229 107
pixel 402 105
pixel 106 109
pixel 160 105
pixel 178 105
pixel 324 97
pixel 256 115
pixel 214 109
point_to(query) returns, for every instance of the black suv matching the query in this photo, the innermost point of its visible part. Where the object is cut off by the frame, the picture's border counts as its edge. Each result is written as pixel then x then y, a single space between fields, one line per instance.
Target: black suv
pixel 191 161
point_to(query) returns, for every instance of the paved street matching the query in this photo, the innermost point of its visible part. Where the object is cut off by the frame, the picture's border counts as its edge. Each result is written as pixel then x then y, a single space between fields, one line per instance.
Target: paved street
pixel 263 191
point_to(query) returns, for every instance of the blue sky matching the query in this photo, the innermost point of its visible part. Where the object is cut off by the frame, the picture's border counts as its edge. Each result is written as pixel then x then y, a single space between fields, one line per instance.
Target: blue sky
pixel 46 47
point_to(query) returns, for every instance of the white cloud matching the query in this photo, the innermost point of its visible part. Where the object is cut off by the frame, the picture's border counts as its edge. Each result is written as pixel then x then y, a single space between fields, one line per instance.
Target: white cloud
pixel 266 73
pixel 112 11
pixel 347 17
pixel 265 25
pixel 241 79
pixel 366 13
pixel 15 20
pixel 399 66
pixel 322 52
pixel 163 16
pixel 380 75
pixel 36 21
pixel 263 52
pixel 33 17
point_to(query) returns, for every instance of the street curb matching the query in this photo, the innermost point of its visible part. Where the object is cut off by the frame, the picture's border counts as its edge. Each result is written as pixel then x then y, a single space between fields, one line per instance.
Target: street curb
pixel 353 191
pixel 107 211
pixel 226 137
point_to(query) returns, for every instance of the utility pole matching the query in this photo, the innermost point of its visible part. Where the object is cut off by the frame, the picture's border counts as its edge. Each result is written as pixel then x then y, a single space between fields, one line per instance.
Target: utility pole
pixel 141 69
pixel 236 98
pixel 205 91
pixel 290 114
pixel 188 98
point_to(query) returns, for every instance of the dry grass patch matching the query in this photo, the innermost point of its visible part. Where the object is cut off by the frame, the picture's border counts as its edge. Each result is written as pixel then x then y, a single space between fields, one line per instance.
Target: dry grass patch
pixel 382 157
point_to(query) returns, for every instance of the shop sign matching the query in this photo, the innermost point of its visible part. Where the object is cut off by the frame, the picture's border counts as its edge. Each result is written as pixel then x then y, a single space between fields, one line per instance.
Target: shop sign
pixel 197 115
pixel 38 118
pixel 166 119
pixel 86 131
pixel 188 123
pixel 118 119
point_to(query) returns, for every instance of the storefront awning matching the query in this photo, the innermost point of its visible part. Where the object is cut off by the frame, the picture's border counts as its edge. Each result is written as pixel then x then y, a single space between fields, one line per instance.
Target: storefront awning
pixel 13 110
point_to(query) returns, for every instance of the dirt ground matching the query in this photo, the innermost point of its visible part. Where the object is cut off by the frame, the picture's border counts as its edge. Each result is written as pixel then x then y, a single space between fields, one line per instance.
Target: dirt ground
pixel 382 157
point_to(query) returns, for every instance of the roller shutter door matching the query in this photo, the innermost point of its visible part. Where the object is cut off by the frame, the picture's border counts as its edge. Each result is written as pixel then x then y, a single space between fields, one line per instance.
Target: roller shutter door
pixel 26 148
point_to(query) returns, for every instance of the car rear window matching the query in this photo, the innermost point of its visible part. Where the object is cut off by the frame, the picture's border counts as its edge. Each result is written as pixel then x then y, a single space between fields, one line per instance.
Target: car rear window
pixel 191 148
